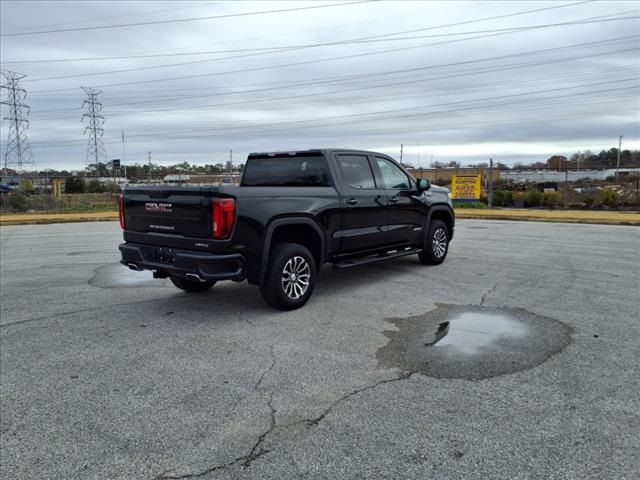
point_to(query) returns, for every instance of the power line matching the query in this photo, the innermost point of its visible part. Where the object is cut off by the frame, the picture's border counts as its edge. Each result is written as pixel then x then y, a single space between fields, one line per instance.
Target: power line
pixel 403 129
pixel 371 87
pixel 354 116
pixel 404 71
pixel 290 100
pixel 403 113
pixel 269 67
pixel 128 15
pixel 345 42
pixel 17 154
pixel 180 20
pixel 360 40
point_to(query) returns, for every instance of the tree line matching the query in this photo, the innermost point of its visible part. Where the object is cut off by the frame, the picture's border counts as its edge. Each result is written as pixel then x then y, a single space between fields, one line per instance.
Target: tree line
pixel 582 160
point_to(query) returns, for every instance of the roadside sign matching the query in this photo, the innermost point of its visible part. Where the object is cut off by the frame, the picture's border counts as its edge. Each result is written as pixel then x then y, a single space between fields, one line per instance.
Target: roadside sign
pixel 116 163
pixel 466 187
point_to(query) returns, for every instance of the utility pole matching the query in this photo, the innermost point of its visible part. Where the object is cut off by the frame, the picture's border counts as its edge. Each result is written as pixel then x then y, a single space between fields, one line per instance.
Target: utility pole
pixel 401 147
pixel 618 161
pixel 149 167
pixel 490 197
pixel 124 157
pixel 17 153
pixel 95 147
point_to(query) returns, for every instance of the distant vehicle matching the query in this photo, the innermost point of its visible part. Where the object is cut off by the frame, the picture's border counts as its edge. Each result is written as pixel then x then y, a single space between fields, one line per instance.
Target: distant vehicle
pixel 292 213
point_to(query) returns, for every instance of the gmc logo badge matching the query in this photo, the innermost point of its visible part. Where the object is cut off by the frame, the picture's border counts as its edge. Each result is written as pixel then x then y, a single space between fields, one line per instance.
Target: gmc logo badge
pixel 153 207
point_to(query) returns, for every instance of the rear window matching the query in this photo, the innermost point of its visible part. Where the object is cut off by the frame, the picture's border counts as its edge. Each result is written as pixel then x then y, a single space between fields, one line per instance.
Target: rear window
pixel 286 171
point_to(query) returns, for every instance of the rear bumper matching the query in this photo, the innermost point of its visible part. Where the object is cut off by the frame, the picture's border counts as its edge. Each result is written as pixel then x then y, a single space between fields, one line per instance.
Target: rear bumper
pixel 170 261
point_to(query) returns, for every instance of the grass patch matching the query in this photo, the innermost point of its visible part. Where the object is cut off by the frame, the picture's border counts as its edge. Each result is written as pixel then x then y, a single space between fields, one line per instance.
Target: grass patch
pixel 66 203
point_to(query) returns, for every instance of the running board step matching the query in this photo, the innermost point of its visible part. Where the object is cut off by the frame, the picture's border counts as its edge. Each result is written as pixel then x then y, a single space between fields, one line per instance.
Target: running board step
pixel 376 258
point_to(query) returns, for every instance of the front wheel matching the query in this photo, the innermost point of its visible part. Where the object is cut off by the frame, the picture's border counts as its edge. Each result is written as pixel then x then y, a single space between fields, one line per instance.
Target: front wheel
pixel 191 285
pixel 290 277
pixel 437 244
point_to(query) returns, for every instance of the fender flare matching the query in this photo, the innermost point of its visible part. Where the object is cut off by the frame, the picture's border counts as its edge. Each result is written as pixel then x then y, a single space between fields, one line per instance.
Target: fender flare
pixel 289 221
pixel 440 208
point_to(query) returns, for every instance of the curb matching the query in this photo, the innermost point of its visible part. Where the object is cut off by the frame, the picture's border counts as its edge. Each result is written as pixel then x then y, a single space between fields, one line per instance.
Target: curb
pixel 43 219
pixel 586 221
pixel 35 219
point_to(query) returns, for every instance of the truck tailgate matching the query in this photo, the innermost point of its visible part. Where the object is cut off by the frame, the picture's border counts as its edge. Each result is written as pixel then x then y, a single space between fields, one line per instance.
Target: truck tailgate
pixel 169 210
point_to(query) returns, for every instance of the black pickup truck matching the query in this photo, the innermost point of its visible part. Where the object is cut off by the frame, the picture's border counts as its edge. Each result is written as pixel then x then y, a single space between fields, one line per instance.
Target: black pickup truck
pixel 293 212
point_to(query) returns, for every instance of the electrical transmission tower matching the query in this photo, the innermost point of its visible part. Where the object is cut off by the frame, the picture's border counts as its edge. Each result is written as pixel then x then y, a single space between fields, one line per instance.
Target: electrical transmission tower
pixel 95 148
pixel 17 155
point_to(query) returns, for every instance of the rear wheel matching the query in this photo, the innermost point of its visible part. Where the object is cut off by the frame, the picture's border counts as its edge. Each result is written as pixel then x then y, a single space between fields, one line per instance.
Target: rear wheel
pixel 437 244
pixel 191 285
pixel 290 277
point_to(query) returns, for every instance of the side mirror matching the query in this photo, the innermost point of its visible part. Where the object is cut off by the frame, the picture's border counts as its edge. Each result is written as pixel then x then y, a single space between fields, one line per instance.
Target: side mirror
pixel 424 184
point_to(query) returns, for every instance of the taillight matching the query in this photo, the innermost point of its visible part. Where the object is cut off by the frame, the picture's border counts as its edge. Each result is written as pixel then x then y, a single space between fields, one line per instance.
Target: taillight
pixel 223 212
pixel 121 210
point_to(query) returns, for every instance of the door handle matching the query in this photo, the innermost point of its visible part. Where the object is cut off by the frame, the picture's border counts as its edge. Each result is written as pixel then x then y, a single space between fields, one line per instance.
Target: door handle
pixel 394 199
pixel 352 201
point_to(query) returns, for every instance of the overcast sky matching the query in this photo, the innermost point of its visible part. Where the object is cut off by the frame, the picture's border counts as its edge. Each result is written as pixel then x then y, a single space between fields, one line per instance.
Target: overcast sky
pixel 449 80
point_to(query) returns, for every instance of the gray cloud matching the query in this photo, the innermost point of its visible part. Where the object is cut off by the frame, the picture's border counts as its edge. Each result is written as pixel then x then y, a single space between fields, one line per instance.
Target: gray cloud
pixel 580 90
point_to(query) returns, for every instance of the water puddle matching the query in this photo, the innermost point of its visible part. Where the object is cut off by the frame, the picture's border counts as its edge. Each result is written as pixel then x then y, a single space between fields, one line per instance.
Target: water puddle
pixel 472 342
pixel 117 275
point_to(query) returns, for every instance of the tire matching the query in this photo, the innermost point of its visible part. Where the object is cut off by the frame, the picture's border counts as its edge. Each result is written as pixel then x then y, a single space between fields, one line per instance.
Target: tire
pixel 290 277
pixel 191 285
pixel 437 244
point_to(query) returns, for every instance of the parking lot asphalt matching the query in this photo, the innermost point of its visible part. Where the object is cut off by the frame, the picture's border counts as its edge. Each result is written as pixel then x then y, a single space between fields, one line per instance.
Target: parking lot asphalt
pixel 107 373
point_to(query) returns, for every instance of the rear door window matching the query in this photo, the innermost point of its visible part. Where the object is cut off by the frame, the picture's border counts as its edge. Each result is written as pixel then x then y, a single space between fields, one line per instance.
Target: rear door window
pixel 356 171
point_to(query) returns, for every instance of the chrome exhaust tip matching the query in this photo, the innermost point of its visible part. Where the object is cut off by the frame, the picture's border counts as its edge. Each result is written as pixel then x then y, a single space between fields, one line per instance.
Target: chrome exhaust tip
pixel 194 276
pixel 135 267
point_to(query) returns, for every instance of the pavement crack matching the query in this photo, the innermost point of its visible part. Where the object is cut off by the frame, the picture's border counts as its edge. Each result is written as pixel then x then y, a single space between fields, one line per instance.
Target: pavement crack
pixel 266 372
pixel 327 411
pixel 256 450
pixel 245 318
pixel 165 475
pixel 486 294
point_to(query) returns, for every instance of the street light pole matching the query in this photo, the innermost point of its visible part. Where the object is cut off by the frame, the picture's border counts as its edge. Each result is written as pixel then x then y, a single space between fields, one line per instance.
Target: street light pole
pixel 618 161
pixel 490 197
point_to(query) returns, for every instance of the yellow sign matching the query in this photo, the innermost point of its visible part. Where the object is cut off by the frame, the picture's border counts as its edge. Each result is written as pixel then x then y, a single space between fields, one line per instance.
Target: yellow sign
pixel 465 187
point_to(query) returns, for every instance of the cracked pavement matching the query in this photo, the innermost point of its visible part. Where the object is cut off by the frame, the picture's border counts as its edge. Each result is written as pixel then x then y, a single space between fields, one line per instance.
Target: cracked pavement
pixel 127 378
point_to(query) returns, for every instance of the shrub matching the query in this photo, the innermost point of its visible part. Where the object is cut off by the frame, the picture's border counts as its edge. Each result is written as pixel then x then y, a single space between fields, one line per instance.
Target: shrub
pixel 26 186
pixel 16 202
pixel 95 187
pixel 588 201
pixel 533 199
pixel 610 198
pixel 502 198
pixel 552 199
pixel 74 185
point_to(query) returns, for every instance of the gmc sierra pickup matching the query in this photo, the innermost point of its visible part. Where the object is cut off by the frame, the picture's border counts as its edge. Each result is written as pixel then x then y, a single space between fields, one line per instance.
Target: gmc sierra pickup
pixel 292 213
